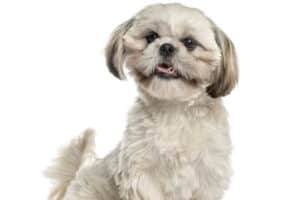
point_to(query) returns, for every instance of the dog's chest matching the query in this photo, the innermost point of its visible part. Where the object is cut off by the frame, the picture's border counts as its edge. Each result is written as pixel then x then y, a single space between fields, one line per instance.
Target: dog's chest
pixel 179 137
pixel 181 183
pixel 174 150
pixel 179 141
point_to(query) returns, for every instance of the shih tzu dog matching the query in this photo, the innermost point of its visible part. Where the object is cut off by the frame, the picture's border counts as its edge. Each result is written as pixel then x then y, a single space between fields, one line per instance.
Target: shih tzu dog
pixel 176 145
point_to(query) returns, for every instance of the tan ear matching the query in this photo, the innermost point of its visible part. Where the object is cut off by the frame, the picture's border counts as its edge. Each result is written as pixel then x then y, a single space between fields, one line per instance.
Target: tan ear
pixel 226 75
pixel 115 51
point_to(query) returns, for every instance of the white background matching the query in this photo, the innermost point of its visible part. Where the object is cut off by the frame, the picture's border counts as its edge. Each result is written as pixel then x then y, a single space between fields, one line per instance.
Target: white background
pixel 54 84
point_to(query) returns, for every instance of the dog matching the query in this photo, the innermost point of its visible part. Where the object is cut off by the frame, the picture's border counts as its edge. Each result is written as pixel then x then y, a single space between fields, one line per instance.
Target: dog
pixel 176 145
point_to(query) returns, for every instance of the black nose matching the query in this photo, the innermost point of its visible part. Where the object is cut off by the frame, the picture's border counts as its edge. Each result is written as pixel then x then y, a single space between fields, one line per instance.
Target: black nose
pixel 166 50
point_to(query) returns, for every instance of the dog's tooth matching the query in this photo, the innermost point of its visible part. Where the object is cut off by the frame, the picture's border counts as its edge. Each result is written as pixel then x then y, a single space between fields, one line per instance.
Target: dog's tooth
pixel 171 70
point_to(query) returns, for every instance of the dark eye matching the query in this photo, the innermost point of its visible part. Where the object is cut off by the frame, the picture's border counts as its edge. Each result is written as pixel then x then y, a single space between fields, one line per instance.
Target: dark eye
pixel 189 43
pixel 150 37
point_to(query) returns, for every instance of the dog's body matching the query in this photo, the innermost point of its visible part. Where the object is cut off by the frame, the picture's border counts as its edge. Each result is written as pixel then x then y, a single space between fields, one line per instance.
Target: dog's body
pixel 175 147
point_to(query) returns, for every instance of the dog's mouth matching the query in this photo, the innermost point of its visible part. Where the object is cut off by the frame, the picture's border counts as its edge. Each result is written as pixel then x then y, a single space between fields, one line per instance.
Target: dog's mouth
pixel 166 71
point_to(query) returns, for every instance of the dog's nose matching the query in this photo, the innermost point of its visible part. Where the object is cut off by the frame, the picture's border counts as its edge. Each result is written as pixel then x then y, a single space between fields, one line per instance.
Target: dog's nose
pixel 166 50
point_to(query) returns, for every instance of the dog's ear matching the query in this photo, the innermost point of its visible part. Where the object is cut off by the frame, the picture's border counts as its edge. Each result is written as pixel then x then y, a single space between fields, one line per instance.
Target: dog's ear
pixel 115 51
pixel 226 75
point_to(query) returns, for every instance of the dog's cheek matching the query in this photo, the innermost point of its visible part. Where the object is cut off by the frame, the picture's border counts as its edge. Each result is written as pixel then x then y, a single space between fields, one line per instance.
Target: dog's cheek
pixel 197 70
pixel 204 64
pixel 133 60
pixel 136 63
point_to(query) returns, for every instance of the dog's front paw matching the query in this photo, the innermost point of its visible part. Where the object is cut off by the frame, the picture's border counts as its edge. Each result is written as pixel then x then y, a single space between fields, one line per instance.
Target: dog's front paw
pixel 139 187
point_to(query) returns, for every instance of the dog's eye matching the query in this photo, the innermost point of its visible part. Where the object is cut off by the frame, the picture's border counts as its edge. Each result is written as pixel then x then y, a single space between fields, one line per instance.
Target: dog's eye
pixel 150 37
pixel 189 43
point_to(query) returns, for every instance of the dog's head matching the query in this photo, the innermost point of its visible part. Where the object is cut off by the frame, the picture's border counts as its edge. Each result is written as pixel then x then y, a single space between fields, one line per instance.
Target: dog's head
pixel 174 52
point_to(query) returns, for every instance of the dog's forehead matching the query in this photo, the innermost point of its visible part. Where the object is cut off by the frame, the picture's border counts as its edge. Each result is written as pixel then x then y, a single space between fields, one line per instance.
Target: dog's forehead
pixel 174 17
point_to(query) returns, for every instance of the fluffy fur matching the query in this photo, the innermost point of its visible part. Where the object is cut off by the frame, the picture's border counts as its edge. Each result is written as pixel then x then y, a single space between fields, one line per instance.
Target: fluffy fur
pixel 176 145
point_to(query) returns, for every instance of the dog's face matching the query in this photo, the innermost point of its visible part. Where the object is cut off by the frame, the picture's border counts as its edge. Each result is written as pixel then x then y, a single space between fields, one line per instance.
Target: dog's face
pixel 174 53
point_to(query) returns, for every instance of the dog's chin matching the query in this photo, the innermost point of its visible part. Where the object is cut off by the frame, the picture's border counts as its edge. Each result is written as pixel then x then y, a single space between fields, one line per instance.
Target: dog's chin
pixel 167 83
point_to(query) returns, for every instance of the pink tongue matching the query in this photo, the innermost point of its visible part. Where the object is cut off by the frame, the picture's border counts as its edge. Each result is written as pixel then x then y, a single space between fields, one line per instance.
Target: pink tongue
pixel 169 70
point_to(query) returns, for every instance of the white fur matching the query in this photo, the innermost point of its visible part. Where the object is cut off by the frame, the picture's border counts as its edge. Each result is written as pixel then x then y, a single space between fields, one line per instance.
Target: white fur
pixel 177 151
pixel 172 149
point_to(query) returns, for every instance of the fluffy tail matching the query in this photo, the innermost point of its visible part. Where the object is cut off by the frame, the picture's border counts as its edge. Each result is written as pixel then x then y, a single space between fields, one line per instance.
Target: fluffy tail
pixel 68 162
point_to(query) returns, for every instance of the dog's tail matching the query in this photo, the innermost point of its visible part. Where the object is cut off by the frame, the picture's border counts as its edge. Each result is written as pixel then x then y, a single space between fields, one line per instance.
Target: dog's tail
pixel 68 162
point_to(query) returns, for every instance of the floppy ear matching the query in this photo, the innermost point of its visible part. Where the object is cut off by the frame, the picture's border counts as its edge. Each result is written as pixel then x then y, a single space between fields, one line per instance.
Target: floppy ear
pixel 115 51
pixel 226 75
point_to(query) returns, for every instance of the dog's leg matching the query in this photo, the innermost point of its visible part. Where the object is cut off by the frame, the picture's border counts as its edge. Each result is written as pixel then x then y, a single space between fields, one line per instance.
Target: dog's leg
pixel 141 187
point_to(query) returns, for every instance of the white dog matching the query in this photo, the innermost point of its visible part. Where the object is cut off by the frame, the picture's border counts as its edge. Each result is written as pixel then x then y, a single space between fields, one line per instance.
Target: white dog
pixel 176 145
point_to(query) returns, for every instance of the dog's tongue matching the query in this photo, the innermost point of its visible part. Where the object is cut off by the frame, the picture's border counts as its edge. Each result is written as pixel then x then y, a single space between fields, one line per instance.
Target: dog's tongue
pixel 169 70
